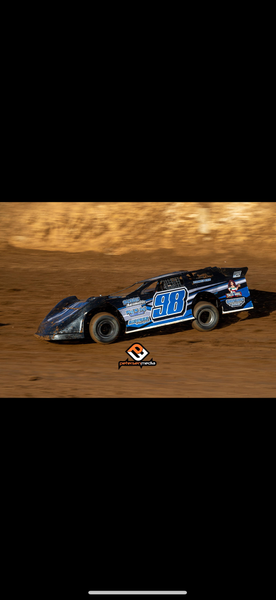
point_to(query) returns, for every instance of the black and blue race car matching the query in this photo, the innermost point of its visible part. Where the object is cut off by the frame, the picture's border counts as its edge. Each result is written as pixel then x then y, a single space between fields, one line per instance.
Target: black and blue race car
pixel 202 296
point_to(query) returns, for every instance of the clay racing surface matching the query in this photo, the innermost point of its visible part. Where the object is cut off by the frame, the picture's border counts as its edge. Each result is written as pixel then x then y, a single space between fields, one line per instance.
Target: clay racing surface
pixel 236 360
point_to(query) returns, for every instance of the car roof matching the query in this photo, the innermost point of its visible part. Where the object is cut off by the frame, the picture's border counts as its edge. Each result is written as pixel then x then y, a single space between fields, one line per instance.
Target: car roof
pixel 163 276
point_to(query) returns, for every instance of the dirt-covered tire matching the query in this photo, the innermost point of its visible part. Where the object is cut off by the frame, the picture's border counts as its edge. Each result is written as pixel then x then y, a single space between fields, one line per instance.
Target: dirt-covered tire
pixel 206 316
pixel 104 328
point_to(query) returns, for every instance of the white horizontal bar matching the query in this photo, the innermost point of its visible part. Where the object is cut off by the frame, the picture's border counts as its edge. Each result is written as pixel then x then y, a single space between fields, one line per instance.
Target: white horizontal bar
pixel 137 593
pixel 226 312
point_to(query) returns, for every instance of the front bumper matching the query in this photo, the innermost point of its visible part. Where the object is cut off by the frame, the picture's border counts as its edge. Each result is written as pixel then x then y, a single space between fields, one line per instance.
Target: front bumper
pixel 59 336
pixel 66 331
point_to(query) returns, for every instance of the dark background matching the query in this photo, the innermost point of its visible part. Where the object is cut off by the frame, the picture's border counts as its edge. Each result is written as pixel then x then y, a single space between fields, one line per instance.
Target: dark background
pixel 163 500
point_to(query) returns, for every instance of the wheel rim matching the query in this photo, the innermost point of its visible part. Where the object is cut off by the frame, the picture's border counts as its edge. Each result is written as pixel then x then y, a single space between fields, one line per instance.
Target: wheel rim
pixel 206 317
pixel 105 329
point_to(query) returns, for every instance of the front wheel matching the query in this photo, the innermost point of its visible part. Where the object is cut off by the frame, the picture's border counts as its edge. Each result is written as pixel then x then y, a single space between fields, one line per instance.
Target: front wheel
pixel 206 316
pixel 104 328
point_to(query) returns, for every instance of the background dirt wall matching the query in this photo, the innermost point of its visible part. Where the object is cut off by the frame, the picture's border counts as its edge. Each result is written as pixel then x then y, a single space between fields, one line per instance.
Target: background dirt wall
pixel 120 227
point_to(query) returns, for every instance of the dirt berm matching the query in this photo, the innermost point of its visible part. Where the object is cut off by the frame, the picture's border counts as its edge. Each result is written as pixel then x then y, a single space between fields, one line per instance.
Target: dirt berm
pixel 121 227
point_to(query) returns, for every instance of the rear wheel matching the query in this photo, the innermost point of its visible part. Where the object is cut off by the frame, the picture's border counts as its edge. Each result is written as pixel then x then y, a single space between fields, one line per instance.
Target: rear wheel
pixel 206 316
pixel 104 328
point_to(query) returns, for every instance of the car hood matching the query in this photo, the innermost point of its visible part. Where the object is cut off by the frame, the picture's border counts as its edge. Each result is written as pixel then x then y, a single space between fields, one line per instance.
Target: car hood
pixel 67 311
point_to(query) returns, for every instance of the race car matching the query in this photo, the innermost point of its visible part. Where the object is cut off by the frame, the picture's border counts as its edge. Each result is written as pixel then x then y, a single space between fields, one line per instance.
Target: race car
pixel 201 296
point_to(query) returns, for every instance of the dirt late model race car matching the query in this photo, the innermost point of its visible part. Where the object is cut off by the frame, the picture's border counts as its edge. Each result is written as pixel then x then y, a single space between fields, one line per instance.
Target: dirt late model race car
pixel 202 296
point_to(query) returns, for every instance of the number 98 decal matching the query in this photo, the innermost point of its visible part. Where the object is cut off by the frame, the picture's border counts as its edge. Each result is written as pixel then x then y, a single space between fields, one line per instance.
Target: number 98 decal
pixel 169 304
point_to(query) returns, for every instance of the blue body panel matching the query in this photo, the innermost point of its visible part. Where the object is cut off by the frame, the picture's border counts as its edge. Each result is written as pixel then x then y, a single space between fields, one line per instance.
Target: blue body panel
pixel 176 305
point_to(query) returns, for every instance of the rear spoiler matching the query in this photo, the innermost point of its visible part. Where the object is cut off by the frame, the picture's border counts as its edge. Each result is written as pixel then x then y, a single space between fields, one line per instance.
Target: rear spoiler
pixel 234 273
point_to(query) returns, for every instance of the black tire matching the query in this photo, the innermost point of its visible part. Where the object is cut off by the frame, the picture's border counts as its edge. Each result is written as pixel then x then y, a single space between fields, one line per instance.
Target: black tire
pixel 206 316
pixel 104 328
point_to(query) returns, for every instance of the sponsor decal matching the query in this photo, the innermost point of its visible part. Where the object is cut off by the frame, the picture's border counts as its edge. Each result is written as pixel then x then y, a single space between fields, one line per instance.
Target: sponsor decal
pixel 139 321
pixel 233 289
pixel 235 302
pixel 237 273
pixel 202 280
pixel 136 311
pixel 234 295
pixel 131 301
pixel 138 353
pixel 66 312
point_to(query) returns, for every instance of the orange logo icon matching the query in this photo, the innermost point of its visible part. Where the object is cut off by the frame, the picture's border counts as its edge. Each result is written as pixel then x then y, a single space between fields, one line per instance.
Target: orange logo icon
pixel 137 352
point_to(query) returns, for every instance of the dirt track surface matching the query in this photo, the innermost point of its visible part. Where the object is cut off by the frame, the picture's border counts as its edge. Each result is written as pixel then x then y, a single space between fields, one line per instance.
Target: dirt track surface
pixel 236 360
